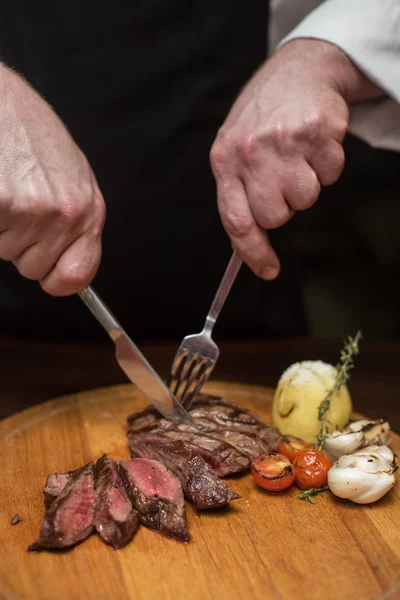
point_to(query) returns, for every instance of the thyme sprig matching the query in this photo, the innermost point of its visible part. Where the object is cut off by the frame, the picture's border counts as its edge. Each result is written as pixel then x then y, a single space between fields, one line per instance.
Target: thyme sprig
pixel 343 368
pixel 308 495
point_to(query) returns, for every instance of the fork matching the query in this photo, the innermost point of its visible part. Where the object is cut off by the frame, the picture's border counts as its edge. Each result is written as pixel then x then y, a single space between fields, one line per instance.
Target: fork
pixel 198 353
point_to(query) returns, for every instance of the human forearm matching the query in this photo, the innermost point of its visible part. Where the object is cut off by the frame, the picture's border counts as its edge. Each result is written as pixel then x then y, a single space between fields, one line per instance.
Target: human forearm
pixel 367 32
pixel 330 62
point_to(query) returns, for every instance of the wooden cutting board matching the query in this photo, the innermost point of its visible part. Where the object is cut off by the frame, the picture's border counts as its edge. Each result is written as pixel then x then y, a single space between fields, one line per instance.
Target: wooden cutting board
pixel 264 546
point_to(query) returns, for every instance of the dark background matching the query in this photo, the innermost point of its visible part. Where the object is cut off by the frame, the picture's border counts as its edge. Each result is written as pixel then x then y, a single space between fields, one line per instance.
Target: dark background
pixel 348 248
pixel 143 87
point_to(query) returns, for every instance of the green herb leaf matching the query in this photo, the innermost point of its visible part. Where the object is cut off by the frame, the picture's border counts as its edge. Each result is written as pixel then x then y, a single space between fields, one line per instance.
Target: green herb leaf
pixel 307 495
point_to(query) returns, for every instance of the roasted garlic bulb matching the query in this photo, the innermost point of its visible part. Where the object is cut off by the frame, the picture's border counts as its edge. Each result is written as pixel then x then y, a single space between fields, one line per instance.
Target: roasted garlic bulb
pixel 364 476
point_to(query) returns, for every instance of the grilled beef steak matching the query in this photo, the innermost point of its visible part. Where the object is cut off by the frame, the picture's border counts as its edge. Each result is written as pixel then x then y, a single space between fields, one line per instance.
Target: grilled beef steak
pixel 199 483
pixel 228 437
pixel 69 518
pixel 233 423
pixel 115 519
pixel 223 458
pixel 157 496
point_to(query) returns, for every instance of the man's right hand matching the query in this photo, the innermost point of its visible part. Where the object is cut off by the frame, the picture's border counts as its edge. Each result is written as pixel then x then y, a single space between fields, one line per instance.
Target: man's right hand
pixel 51 210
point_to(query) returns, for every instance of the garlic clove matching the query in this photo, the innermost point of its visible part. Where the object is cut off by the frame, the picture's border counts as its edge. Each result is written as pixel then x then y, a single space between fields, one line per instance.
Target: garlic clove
pixel 357 425
pixel 357 435
pixel 344 443
pixel 365 476
pixel 383 452
pixel 382 484
pixel 377 432
pixel 347 482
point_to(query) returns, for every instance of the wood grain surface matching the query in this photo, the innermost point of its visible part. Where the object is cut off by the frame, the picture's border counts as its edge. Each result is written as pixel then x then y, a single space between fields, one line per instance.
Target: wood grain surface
pixel 264 546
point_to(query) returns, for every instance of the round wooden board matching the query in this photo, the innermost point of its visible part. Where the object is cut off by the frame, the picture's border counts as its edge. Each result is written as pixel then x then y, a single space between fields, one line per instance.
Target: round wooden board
pixel 264 546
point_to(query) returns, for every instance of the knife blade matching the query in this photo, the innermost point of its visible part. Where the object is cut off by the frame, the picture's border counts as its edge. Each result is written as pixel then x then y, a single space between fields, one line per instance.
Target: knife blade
pixel 133 363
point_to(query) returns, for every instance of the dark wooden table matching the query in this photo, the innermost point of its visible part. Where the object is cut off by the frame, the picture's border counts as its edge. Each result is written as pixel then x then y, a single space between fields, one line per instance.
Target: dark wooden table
pixel 32 372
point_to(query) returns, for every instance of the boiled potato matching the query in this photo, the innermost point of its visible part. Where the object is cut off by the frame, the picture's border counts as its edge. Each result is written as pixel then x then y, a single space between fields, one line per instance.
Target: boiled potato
pixel 300 390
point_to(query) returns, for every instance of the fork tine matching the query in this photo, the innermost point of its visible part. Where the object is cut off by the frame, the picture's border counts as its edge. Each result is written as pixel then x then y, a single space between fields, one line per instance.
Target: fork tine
pixel 203 378
pixel 186 373
pixel 196 372
pixel 177 367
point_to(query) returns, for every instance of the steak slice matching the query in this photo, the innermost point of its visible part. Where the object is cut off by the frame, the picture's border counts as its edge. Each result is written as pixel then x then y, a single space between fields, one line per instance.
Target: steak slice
pixel 55 484
pixel 157 496
pixel 69 518
pixel 115 519
pixel 199 483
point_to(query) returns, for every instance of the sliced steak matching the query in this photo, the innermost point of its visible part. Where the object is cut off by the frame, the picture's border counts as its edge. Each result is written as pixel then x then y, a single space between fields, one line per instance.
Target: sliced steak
pixel 157 496
pixel 228 439
pixel 69 518
pixel 199 483
pixel 115 519
pixel 222 457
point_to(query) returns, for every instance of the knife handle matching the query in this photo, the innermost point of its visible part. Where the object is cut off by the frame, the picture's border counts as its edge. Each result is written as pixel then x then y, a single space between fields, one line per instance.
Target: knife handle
pixel 100 311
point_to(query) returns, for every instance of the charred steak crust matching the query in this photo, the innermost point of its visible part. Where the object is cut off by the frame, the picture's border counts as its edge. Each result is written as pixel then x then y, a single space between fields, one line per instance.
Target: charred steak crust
pixel 69 518
pixel 115 519
pixel 157 496
pixel 199 483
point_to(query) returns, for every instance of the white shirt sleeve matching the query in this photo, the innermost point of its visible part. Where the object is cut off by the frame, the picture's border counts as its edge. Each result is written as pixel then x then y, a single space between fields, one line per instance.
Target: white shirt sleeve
pixel 368 31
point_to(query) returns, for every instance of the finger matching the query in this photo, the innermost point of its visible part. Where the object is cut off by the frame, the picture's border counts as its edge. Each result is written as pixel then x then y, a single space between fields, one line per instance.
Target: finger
pixel 247 237
pixel 267 204
pixel 39 259
pixel 328 162
pixel 14 242
pixel 301 187
pixel 76 267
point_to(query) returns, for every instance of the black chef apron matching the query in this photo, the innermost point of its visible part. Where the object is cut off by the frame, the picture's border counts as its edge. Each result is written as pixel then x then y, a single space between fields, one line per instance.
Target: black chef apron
pixel 143 87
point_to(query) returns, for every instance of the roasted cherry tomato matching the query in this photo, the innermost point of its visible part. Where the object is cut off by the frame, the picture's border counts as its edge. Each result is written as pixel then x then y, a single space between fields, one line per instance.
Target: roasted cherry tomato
pixel 273 472
pixel 312 468
pixel 291 446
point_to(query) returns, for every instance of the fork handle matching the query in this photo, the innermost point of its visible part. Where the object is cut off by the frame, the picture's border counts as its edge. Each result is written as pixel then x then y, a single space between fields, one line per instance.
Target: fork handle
pixel 100 311
pixel 223 290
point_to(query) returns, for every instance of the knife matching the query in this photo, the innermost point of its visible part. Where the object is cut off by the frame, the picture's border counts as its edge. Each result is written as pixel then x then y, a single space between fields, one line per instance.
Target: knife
pixel 133 363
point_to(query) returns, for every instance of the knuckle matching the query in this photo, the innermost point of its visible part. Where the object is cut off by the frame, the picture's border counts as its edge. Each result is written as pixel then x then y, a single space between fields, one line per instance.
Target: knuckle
pixel 314 122
pixel 249 147
pixel 237 225
pixel 280 136
pixel 71 211
pixel 220 154
pixel 277 131
pixel 310 128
